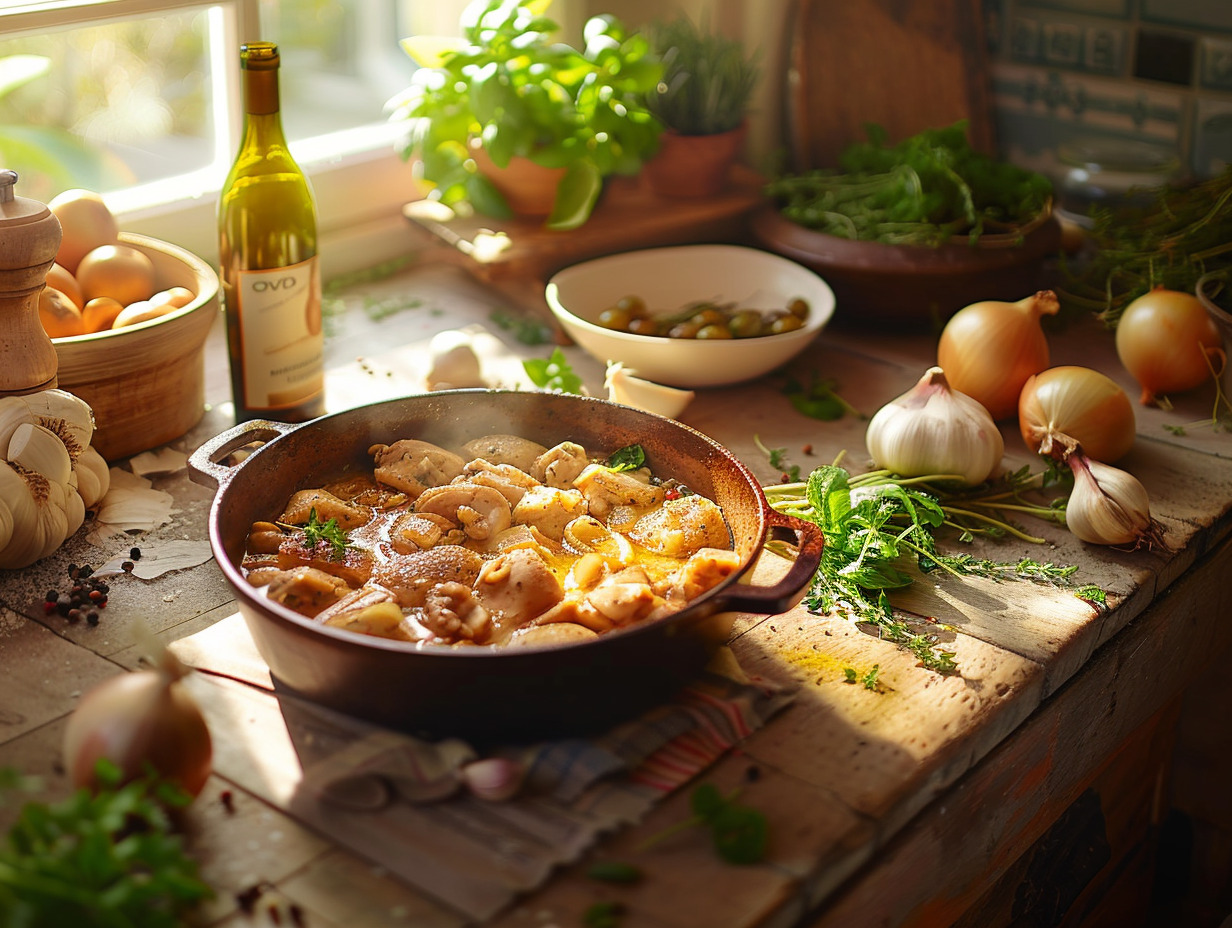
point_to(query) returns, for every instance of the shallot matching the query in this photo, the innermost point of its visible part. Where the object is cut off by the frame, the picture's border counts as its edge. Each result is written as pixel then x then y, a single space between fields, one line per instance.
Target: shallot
pixel 144 721
pixel 1109 506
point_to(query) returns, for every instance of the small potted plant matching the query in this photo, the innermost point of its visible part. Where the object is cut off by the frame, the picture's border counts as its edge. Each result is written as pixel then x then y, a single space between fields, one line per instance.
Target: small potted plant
pixel 506 95
pixel 702 101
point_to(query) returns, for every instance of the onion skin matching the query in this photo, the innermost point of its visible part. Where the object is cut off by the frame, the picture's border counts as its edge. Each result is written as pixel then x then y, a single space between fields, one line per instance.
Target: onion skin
pixel 1169 342
pixel 1065 406
pixel 139 721
pixel 990 348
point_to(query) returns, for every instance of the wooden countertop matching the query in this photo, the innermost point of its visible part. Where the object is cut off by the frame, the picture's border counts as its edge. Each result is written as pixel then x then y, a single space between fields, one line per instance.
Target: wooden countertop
pixel 920 803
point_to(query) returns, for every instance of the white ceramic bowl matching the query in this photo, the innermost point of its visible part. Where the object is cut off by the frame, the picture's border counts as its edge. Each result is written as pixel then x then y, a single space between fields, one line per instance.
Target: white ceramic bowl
pixel 668 279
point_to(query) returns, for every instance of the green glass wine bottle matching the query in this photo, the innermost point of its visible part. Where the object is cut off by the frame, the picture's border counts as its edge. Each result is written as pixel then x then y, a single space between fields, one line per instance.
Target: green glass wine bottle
pixel 271 280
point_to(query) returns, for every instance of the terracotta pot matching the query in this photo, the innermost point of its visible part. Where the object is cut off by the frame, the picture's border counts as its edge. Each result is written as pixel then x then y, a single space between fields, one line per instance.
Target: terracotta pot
pixel 528 187
pixel 501 693
pixel 693 165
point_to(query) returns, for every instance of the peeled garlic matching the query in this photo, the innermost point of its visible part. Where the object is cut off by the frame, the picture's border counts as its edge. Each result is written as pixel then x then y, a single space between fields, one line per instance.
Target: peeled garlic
pixel 1109 506
pixel 932 429
pixel 624 388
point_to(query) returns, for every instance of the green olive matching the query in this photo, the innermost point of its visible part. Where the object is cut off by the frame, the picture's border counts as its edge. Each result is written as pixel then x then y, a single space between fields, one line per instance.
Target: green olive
pixel 615 317
pixel 634 305
pixel 708 316
pixel 788 323
pixel 644 325
pixel 714 330
pixel 798 307
pixel 683 330
pixel 745 323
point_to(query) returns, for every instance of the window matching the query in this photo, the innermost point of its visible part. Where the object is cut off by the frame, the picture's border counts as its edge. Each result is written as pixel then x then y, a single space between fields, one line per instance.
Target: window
pixel 140 100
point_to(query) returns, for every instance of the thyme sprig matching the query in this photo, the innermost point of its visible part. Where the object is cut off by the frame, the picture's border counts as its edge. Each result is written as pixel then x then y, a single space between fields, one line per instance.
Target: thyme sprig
pixel 331 533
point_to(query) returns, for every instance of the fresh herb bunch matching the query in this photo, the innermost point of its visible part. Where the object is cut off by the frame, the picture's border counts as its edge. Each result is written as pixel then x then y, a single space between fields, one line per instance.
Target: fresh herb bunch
pixel 331 533
pixel 510 84
pixel 707 80
pixel 923 191
pixel 1185 233
pixel 553 373
pixel 880 534
pixel 100 860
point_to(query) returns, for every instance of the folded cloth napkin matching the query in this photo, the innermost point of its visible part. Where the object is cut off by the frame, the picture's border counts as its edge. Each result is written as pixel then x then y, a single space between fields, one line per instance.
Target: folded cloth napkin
pixel 425 810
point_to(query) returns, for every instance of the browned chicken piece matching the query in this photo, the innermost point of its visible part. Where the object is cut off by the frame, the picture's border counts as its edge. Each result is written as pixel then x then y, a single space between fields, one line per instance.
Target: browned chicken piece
pixel 453 613
pixel 548 636
pixel 549 510
pixel 353 565
pixel 264 538
pixel 517 586
pixel 411 465
pixel 527 536
pixel 606 489
pixel 381 620
pixel 481 511
pixel 574 610
pixel 306 590
pixel 703 571
pixel 370 594
pixel 505 449
pixel 510 481
pixel 417 531
pixel 299 510
pixel 682 527
pixel 410 577
pixel 560 465
pixel 624 597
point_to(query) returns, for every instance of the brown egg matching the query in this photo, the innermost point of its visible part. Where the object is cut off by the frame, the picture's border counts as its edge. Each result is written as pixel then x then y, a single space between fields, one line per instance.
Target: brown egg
pixel 177 297
pixel 85 224
pixel 100 313
pixel 58 278
pixel 118 271
pixel 60 316
pixel 141 311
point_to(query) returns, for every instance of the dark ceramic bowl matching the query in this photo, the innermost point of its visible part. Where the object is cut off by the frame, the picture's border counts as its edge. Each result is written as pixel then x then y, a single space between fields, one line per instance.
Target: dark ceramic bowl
pixel 913 286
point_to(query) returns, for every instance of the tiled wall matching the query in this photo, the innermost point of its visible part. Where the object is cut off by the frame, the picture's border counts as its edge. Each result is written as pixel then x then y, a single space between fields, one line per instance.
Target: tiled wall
pixel 1146 73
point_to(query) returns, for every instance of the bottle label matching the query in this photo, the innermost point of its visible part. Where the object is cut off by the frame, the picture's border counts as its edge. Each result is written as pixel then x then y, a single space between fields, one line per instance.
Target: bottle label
pixel 283 341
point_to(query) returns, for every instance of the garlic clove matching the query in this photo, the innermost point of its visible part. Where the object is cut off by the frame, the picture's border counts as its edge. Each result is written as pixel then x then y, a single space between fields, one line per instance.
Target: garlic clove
pixel 69 416
pixel 629 390
pixel 37 448
pixel 93 477
pixel 13 412
pixel 25 538
pixel 934 430
pixel 1109 506
pixel 7 523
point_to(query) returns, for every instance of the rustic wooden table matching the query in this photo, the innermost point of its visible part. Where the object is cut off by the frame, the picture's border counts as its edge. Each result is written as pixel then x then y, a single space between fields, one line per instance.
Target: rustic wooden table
pixel 1030 779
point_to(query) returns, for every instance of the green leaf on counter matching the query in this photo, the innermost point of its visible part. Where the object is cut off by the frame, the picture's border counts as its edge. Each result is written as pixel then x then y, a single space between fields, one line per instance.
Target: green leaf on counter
pixel 818 399
pixel 553 373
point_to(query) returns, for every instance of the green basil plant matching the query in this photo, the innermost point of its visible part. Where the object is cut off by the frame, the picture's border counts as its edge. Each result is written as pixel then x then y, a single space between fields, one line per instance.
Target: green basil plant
pixel 507 85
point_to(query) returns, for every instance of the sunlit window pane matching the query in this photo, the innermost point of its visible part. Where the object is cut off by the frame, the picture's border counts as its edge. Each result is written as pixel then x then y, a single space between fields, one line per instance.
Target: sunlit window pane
pixel 106 106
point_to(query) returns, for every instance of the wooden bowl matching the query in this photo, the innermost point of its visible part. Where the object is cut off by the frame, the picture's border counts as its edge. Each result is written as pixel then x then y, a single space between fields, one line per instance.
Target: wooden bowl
pixel 146 382
pixel 912 286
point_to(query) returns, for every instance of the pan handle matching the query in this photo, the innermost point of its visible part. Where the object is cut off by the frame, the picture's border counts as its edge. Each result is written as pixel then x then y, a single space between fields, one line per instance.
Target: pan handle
pixel 206 463
pixel 791 587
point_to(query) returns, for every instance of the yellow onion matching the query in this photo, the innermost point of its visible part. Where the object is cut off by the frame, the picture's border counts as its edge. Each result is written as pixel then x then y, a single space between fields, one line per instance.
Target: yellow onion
pixel 144 721
pixel 1063 407
pixel 1169 342
pixel 990 348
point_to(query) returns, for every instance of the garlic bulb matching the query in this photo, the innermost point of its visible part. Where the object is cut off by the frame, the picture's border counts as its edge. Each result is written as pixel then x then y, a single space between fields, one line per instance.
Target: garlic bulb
pixel 44 453
pixel 932 429
pixel 1109 506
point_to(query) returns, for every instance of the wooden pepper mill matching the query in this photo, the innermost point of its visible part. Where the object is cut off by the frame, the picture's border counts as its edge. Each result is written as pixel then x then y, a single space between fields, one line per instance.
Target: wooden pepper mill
pixel 29 239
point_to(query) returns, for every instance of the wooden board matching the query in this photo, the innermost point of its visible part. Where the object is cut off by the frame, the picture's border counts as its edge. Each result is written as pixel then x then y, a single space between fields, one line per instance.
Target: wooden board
pixel 906 65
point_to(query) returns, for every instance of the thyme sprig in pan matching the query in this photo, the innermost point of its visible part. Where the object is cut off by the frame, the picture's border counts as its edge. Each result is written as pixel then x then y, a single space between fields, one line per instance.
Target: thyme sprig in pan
pixel 880 534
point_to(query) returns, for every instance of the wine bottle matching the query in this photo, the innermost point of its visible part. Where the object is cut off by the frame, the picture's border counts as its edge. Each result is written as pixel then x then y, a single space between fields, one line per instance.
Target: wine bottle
pixel 271 280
